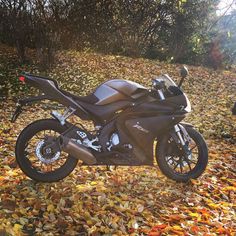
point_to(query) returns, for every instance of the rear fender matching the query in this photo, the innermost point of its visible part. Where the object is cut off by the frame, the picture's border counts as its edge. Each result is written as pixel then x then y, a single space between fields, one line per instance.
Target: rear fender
pixel 24 102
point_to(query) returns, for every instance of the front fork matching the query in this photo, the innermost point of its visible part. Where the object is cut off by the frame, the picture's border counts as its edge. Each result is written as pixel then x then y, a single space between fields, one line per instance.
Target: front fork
pixel 183 138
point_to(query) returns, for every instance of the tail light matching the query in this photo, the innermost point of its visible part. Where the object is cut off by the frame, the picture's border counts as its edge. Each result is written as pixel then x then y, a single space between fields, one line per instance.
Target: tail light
pixel 22 79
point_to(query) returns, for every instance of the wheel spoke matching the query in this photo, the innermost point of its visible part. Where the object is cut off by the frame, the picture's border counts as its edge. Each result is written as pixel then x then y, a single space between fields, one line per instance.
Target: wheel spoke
pixel 175 166
pixel 31 146
pixel 193 162
pixel 37 135
pixel 29 152
pixel 169 158
pixel 49 168
pixel 189 165
pixel 195 152
pixel 193 147
pixel 181 166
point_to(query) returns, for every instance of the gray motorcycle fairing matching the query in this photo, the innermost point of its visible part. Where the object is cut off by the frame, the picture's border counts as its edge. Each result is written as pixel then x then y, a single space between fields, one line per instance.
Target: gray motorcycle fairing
pixel 117 90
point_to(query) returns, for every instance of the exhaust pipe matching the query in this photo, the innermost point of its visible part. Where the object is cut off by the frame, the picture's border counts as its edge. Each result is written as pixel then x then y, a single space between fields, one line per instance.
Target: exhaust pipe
pixel 78 151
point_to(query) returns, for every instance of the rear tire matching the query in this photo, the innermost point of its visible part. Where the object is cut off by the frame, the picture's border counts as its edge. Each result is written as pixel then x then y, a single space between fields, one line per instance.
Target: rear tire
pixel 196 171
pixel 26 165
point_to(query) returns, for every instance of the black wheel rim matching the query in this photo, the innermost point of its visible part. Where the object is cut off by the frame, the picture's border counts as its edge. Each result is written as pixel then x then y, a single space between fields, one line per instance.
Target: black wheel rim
pixel 178 161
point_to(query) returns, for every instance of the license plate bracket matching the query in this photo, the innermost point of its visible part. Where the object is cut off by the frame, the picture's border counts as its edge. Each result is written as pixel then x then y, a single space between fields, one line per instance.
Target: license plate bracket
pixel 17 112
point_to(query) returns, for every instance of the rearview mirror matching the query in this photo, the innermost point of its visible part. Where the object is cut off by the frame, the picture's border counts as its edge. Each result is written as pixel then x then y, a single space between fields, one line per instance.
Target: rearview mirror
pixel 184 72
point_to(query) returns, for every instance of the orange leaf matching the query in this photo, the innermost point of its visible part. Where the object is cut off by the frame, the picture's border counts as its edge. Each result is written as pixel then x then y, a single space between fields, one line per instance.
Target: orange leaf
pixel 154 234
pixel 157 227
pixel 175 217
pixel 194 229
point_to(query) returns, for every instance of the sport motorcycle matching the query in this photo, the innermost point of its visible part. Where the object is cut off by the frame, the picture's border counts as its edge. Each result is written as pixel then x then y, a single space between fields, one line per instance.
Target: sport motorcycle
pixel 133 126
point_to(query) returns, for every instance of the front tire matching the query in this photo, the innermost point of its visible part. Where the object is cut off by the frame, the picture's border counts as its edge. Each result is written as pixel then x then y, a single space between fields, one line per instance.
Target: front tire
pixel 170 158
pixel 28 160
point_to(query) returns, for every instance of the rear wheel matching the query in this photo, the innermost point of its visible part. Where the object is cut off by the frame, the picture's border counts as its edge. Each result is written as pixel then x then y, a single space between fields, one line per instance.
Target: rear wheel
pixel 173 161
pixel 40 163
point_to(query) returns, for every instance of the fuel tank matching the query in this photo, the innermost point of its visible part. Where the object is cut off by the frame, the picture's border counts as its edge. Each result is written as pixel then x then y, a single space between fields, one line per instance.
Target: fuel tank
pixel 118 90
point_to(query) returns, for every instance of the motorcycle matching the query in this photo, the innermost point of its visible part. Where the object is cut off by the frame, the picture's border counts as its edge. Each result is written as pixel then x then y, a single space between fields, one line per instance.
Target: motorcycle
pixel 133 126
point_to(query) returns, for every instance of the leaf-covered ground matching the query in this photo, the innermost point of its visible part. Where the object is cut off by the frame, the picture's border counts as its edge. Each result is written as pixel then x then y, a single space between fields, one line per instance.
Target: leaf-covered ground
pixel 129 200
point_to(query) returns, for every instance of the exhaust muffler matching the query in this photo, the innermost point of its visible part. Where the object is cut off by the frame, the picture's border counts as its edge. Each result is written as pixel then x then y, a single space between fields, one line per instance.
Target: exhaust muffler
pixel 77 150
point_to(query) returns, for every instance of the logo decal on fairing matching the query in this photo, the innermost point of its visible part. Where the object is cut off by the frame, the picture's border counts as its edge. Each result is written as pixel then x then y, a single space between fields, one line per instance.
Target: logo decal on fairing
pixel 140 128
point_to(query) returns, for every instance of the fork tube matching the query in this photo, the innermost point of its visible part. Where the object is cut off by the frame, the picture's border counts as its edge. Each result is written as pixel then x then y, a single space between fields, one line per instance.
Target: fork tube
pixel 177 130
pixel 161 95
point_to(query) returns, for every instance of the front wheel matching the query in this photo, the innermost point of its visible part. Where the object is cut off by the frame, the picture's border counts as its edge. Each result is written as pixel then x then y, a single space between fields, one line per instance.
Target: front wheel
pixel 175 163
pixel 42 165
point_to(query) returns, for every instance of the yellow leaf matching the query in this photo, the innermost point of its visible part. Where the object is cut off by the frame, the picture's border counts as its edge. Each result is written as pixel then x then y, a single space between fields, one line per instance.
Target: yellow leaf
pixel 111 203
pixel 50 208
pixel 11 173
pixel 229 188
pixel 2 178
pixel 17 228
pixel 15 216
pixel 213 205
pixel 115 219
pixel 89 222
pixel 194 214
pixel 177 228
pixel 23 211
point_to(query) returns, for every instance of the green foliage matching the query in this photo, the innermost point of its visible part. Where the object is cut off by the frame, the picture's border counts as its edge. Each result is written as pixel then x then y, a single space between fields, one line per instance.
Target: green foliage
pixel 227 37
pixel 154 29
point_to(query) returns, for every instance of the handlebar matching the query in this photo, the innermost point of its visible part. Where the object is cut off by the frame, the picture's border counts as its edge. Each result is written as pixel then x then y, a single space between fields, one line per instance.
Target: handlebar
pixel 159 86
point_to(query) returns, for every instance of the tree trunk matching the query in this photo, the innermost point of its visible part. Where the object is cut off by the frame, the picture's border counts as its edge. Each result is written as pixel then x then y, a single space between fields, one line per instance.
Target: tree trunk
pixel 21 51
